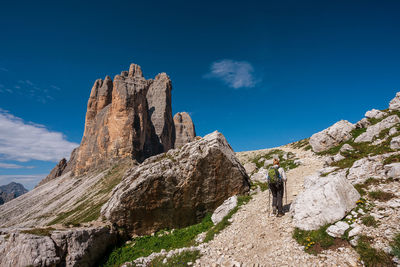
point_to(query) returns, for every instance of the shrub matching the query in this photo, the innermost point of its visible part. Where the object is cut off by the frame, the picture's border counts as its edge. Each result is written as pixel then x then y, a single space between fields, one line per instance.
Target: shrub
pixel 39 231
pixel 368 220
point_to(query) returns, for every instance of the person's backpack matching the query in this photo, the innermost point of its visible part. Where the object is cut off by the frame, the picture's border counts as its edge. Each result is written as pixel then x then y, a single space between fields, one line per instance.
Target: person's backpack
pixel 273 176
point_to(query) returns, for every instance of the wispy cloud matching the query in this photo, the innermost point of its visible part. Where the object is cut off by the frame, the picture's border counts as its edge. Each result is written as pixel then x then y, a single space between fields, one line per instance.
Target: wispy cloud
pixel 29 181
pixel 235 74
pixel 30 89
pixel 23 141
pixel 3 69
pixel 13 166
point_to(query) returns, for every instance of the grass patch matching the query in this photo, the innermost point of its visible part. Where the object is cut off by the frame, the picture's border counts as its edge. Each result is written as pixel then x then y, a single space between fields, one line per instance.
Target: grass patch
pixel 392 159
pixel 371 256
pixel 314 241
pixel 360 188
pixel 263 186
pixel 143 246
pixel 181 259
pixel 39 231
pixel 381 195
pixel 369 220
pixel 225 221
pixel 395 244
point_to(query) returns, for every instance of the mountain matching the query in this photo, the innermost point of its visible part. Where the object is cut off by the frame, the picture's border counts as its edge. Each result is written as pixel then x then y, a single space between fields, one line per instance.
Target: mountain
pixel 10 191
pixel 127 177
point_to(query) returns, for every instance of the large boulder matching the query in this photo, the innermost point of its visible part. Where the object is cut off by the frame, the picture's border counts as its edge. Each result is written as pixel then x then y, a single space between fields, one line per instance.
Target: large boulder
pixel 184 129
pixel 76 247
pixel 327 200
pixel 177 188
pixel 395 102
pixel 250 167
pixel 369 167
pixel 260 176
pixel 332 136
pixel 375 130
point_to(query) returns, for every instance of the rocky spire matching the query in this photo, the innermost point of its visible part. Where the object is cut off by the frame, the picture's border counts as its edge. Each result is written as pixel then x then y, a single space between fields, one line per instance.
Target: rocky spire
pixel 135 71
pixel 184 129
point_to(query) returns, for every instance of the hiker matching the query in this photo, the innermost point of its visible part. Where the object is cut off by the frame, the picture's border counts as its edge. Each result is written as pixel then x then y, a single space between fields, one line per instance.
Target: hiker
pixel 276 177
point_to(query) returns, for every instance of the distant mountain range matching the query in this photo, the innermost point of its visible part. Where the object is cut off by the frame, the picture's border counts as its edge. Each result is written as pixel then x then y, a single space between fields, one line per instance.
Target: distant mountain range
pixel 10 191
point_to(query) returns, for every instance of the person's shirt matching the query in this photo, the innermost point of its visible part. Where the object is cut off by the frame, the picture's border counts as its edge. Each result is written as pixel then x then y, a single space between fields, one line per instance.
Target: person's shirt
pixel 281 171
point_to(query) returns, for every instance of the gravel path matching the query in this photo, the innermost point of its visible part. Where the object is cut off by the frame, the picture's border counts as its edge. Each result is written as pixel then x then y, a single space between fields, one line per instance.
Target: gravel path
pixel 257 239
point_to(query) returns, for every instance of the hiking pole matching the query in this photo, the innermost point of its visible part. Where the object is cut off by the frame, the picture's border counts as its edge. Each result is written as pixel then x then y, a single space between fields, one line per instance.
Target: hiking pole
pixel 286 193
pixel 269 201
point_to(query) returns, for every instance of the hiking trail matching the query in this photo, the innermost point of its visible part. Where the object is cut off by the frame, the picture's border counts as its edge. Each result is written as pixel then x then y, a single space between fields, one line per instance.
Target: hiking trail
pixel 256 239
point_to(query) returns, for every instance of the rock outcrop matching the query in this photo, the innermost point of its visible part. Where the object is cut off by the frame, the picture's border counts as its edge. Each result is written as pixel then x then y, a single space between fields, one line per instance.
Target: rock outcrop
pixel 325 200
pixel 10 191
pixel 224 209
pixel 177 188
pixel 332 136
pixel 128 117
pixel 374 130
pixel 77 247
pixel 184 129
pixel 374 113
pixel 395 102
pixel 55 172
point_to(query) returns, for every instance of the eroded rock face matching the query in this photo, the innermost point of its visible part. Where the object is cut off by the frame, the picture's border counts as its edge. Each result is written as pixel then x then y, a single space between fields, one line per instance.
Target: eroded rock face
pixel 184 129
pixel 130 117
pixel 177 188
pixel 325 200
pixel 332 136
pixel 374 130
pixel 55 172
pixel 77 247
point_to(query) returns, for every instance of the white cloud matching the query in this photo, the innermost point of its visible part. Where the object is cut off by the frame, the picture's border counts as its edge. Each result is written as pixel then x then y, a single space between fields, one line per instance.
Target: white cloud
pixel 235 74
pixel 29 181
pixel 24 141
pixel 13 166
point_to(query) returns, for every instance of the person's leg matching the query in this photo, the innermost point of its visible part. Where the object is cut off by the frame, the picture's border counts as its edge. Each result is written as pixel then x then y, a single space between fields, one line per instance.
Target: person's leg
pixel 279 196
pixel 274 192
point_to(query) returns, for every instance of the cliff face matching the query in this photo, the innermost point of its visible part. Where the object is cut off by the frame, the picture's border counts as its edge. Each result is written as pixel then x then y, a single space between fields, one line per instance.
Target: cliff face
pixel 128 117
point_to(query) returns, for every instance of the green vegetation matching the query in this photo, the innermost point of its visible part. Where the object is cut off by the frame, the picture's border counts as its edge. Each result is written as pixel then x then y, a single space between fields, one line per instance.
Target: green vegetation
pixel 392 159
pixel 381 195
pixel 180 259
pixel 39 231
pixel 314 241
pixel 304 143
pixel 371 256
pixel 225 221
pixel 88 207
pixel 368 220
pixel 145 245
pixel 287 164
pixel 263 186
pixel 395 244
pixel 360 188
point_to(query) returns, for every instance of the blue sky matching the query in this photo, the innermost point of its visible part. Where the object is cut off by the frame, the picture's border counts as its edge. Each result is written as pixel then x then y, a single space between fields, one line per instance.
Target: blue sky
pixel 264 73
